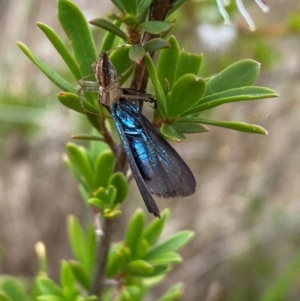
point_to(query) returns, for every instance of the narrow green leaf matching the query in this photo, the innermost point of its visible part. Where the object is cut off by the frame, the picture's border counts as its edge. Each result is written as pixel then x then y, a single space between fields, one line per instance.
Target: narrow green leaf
pixel 108 26
pixel 109 38
pixel 82 164
pixel 156 44
pixel 50 298
pixel 96 201
pixel 167 62
pixel 240 74
pixel 155 228
pixel 172 133
pixel 119 181
pixel 87 137
pixel 280 290
pixel 171 244
pixel 177 4
pixel 186 92
pixel 134 229
pixel 160 96
pixel 48 287
pixel 140 268
pixel 129 5
pixel 188 63
pixel 233 125
pixel 233 95
pixel 72 101
pixel 165 258
pixel 136 53
pixel 104 167
pixel 174 293
pixel 190 128
pixel 12 289
pixel 76 27
pixel 61 49
pixel 67 278
pixel 77 240
pixel 90 249
pixel 159 270
pixel 50 73
pixel 80 274
pixel 141 249
pixel 155 27
pixel 106 196
pixel 117 260
pixel 122 63
pixel 5 297
pixel 143 6
pixel 120 5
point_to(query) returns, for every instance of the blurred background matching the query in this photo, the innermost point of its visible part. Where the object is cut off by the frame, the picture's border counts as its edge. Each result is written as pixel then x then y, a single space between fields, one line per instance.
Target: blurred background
pixel 246 210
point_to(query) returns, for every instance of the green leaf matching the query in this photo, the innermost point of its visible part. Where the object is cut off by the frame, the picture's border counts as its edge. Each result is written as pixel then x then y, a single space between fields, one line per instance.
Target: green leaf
pixel 12 289
pixel 110 27
pixel 67 278
pixel 185 93
pixel 87 137
pixel 61 49
pixel 188 63
pixel 240 74
pixel 172 133
pixel 90 249
pixel 141 249
pixel 165 258
pixel 122 63
pixel 136 53
pixel 143 6
pixel 155 27
pixel 50 298
pixel 119 181
pixel 190 128
pixel 80 274
pixel 76 27
pixel 71 101
pixel 5 297
pixel 155 228
pixel 171 244
pixel 167 62
pixel 120 5
pixel 174 293
pixel 48 287
pixel 134 230
pixel 281 289
pixel 177 4
pixel 160 96
pixel 50 73
pixel 233 95
pixel 233 125
pixel 77 240
pixel 104 167
pixel 158 270
pixel 140 268
pixel 109 38
pixel 156 44
pixel 118 259
pixel 81 163
pixel 106 196
pixel 129 5
pixel 97 202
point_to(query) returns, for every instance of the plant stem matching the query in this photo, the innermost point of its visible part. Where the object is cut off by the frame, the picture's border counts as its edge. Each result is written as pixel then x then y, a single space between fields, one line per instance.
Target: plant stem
pixel 157 11
pixel 102 248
